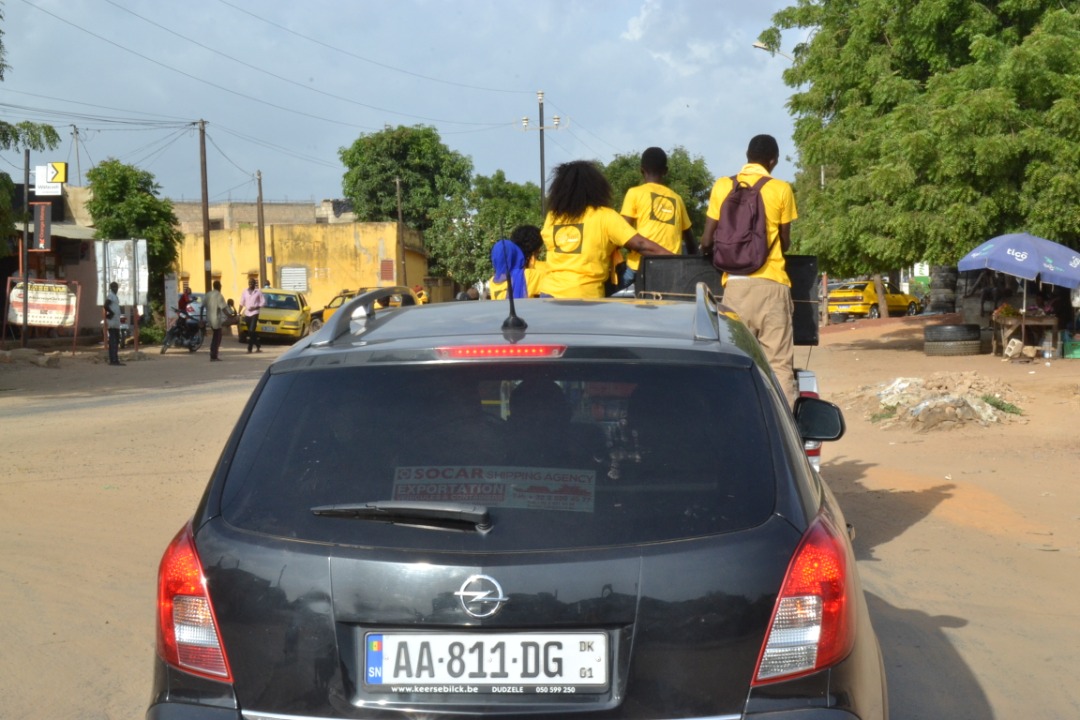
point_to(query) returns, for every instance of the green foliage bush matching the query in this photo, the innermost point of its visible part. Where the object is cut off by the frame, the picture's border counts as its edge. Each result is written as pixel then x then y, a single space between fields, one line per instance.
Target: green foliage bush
pixel 151 335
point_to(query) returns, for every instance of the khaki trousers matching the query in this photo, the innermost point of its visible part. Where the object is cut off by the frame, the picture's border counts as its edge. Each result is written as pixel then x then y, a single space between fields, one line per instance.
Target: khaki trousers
pixel 766 308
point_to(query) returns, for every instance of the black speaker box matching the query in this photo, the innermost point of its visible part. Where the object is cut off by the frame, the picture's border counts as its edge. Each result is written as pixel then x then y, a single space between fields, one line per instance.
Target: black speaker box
pixel 677 276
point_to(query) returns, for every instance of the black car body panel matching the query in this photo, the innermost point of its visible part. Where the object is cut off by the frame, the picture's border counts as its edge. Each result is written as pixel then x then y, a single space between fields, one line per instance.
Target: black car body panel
pixel 379 495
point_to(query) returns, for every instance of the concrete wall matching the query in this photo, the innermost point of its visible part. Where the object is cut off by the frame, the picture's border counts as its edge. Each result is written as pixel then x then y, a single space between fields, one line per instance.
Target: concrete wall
pixel 335 257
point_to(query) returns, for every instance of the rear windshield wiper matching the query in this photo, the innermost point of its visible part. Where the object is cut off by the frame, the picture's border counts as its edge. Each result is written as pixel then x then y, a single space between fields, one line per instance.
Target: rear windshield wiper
pixel 463 517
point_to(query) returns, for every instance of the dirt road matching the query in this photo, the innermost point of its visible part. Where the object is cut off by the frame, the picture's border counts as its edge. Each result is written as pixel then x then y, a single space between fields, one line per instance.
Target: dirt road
pixel 968 539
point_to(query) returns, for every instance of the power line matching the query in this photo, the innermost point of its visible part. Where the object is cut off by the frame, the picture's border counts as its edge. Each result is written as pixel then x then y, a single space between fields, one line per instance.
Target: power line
pixel 285 79
pixel 102 107
pixel 369 60
pixel 195 78
pixel 278 148
pixel 246 172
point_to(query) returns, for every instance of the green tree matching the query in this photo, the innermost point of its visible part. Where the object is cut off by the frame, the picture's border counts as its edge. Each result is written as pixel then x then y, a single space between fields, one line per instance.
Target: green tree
pixel 688 176
pixel 21 135
pixel 124 203
pixel 465 227
pixel 429 174
pixel 940 124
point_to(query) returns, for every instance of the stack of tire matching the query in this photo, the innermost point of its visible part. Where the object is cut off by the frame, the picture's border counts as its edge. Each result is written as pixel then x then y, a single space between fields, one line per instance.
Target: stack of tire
pixel 942 289
pixel 952 339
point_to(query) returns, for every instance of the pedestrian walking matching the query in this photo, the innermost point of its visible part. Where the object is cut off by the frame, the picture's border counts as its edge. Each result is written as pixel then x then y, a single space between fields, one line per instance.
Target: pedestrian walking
pixel 216 312
pixel 251 301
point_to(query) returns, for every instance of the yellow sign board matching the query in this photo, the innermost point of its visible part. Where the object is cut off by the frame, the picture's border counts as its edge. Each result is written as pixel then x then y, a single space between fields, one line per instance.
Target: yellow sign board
pixel 58 172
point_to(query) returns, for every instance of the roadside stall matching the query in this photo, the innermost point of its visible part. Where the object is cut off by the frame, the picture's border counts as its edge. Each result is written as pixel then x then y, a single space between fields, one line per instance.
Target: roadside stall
pixel 1027 257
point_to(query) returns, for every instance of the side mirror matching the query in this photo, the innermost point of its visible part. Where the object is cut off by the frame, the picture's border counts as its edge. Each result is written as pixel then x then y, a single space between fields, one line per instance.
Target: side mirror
pixel 818 419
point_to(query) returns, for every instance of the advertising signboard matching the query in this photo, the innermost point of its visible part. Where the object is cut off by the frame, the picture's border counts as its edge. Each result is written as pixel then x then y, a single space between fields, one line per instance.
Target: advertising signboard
pixel 48 305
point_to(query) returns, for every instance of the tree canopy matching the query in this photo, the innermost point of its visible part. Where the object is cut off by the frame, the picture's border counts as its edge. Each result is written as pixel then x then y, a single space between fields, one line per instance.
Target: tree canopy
pixel 464 228
pixel 428 171
pixel 20 135
pixel 939 124
pixel 124 203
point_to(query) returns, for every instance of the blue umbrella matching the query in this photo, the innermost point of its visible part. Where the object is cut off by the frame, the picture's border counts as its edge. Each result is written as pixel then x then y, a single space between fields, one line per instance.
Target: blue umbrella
pixel 1026 256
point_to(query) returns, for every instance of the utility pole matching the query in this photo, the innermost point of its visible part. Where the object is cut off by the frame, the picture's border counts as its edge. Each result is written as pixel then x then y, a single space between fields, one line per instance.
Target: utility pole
pixel 24 255
pixel 205 204
pixel 401 279
pixel 541 128
pixel 262 230
pixel 78 165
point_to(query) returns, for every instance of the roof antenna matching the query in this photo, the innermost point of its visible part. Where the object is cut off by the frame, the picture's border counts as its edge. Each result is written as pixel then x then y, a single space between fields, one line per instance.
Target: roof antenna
pixel 512 322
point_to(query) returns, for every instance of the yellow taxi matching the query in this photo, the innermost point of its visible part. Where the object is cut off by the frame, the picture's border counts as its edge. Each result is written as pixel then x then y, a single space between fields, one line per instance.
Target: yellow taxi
pixel 321 317
pixel 860 298
pixel 285 315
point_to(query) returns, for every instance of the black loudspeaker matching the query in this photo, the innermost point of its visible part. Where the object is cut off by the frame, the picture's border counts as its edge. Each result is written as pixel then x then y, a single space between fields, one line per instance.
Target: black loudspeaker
pixel 806 292
pixel 677 276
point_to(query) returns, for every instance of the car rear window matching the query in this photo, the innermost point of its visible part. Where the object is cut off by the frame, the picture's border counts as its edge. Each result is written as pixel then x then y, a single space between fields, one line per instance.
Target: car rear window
pixel 562 454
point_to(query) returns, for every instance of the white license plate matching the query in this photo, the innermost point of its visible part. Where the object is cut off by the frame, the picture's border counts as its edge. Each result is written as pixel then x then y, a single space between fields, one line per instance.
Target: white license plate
pixel 492 663
pixel 268 328
pixel 842 307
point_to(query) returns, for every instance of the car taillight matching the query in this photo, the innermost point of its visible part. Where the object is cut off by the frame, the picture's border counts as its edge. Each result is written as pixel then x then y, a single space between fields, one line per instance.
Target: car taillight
pixel 188 637
pixel 499 352
pixel 813 622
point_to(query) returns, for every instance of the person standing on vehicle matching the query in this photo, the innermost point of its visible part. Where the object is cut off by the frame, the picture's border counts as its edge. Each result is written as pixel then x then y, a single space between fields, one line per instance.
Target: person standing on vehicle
pixel 518 260
pixel 582 230
pixel 251 301
pixel 112 322
pixel 216 310
pixel 656 211
pixel 763 298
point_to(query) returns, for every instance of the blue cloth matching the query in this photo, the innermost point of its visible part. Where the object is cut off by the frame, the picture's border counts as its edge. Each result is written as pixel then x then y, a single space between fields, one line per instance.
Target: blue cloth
pixel 508 259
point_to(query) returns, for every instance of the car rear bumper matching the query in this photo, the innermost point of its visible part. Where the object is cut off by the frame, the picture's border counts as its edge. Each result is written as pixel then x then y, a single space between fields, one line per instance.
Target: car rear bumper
pixel 185 711
pixel 852 309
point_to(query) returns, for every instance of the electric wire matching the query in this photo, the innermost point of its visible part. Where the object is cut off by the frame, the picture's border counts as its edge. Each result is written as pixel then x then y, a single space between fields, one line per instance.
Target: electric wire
pixel 196 78
pixel 369 60
pixel 216 147
pixel 290 81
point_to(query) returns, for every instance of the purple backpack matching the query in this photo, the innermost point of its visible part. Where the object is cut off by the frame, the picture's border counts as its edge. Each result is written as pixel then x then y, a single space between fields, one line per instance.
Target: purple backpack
pixel 741 241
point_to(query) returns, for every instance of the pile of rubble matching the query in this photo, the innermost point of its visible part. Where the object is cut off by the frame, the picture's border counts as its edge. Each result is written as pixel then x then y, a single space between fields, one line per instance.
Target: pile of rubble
pixel 29 356
pixel 941 401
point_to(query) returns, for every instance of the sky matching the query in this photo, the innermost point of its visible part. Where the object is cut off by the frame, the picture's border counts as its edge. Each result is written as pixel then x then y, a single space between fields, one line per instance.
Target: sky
pixel 283 86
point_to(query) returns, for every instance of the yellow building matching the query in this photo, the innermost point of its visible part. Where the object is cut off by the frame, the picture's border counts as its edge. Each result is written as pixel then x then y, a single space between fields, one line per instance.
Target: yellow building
pixel 319 260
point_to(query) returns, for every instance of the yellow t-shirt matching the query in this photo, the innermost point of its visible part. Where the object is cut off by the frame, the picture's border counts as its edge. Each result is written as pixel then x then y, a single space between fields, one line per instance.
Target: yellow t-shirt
pixel 532 283
pixel 779 201
pixel 579 252
pixel 660 214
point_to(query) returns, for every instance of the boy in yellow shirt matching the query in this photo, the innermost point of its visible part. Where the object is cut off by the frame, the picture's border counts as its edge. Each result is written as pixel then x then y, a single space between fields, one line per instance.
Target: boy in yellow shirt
pixel 655 211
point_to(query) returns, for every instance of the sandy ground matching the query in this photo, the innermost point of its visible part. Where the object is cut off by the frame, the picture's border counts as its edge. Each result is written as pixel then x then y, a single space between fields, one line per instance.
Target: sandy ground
pixel 968 539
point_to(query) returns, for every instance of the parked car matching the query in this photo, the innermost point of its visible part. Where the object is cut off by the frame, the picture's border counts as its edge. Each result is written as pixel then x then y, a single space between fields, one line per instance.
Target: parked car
pixel 589 508
pixel 320 317
pixel 285 315
pixel 860 298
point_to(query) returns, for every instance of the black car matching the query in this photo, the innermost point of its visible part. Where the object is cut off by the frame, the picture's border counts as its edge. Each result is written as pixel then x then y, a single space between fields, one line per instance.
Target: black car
pixel 588 509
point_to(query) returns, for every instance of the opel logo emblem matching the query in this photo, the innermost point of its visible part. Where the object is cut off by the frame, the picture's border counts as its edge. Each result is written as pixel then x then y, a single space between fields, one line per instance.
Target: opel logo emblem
pixel 481 596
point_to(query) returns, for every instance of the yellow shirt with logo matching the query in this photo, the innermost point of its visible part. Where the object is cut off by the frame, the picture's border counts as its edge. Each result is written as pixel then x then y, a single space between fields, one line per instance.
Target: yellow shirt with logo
pixel 660 214
pixel 779 201
pixel 532 283
pixel 579 252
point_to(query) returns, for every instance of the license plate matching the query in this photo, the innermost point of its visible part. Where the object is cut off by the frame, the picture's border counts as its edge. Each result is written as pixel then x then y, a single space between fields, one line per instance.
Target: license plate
pixel 490 663
pixel 268 328
pixel 842 307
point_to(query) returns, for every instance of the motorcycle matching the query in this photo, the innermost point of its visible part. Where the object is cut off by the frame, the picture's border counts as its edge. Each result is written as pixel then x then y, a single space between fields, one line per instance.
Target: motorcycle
pixel 186 331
